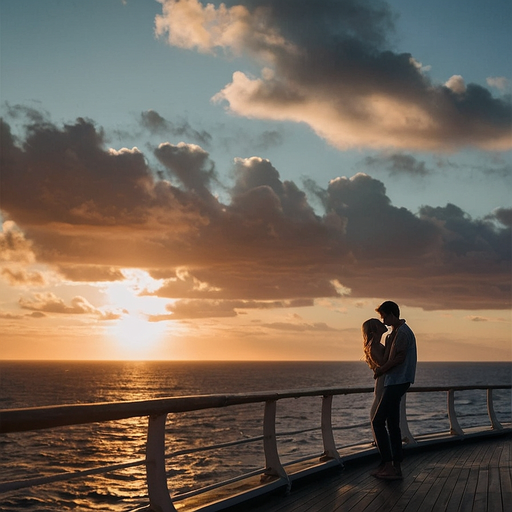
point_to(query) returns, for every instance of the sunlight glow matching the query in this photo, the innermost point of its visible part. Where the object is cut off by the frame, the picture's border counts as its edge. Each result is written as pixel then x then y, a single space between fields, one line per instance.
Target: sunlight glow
pixel 135 292
pixel 138 338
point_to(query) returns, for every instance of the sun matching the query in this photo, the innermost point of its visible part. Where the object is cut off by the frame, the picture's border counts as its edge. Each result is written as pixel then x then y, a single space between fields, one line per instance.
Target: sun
pixel 134 334
pixel 137 337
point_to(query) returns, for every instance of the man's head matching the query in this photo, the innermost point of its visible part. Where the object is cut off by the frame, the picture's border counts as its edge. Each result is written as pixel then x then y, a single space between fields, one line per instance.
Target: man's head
pixel 389 312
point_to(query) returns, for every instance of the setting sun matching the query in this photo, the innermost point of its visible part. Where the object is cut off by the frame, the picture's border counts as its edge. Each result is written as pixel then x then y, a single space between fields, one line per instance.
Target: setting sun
pixel 136 336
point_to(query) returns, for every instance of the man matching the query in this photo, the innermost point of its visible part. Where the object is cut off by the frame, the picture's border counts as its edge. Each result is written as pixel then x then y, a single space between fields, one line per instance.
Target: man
pixel 399 371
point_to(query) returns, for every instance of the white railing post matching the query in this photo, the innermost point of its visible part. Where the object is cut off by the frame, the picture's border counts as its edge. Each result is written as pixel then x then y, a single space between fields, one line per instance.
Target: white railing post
pixel 452 416
pixel 159 498
pixel 330 451
pixel 273 467
pixel 407 437
pixel 495 424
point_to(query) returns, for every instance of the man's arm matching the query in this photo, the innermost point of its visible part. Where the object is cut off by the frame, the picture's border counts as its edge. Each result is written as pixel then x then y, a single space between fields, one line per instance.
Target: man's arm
pixel 396 356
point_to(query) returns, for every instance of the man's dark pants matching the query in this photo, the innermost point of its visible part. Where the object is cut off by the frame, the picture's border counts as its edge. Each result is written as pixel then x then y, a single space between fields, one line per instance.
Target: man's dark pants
pixel 388 413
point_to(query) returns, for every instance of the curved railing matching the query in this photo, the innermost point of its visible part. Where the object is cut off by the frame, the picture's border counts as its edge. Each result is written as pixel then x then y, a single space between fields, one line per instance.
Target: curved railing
pixel 274 471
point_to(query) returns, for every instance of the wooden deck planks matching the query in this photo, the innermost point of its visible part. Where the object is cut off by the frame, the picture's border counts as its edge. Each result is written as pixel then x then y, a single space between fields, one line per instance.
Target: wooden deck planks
pixel 468 476
pixel 505 472
pixel 449 476
pixel 430 489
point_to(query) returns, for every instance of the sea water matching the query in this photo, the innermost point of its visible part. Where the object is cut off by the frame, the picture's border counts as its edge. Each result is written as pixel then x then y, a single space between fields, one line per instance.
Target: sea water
pixel 47 452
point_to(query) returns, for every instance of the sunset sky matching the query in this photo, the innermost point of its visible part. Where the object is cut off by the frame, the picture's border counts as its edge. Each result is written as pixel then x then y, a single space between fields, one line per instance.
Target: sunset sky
pixel 251 179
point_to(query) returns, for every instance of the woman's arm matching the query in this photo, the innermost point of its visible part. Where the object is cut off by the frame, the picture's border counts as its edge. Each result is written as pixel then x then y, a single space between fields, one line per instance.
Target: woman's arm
pixel 378 352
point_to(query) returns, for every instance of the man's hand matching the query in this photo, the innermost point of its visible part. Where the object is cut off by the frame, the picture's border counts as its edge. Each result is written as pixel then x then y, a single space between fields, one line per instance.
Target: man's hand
pixel 377 373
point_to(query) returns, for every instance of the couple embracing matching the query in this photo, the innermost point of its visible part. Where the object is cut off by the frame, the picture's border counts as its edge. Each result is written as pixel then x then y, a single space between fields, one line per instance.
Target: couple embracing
pixel 394 367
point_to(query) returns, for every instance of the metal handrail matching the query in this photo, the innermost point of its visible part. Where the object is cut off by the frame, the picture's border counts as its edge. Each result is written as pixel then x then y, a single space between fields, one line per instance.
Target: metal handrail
pixel 36 418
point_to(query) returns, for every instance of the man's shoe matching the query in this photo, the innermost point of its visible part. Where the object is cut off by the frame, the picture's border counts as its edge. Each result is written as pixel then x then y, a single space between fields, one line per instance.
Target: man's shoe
pixel 389 475
pixel 378 469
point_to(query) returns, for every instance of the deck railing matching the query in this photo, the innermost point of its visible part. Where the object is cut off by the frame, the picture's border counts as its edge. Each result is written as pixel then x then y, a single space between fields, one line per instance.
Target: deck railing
pixel 30 419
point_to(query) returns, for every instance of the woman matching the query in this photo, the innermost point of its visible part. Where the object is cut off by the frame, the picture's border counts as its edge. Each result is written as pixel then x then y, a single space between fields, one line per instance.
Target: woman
pixel 375 355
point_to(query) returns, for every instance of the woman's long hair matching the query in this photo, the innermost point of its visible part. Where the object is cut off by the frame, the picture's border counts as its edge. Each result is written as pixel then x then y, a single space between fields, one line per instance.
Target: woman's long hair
pixel 368 329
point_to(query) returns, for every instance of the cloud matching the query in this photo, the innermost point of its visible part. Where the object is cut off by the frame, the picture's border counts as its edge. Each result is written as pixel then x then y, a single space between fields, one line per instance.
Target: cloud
pixel 91 273
pixel 477 319
pixel 91 211
pixel 156 124
pixel 504 215
pixel 48 302
pixel 331 65
pixel 15 316
pixel 301 327
pixel 14 247
pixel 190 164
pixel 397 164
pixel 456 84
pixel 188 309
pixel 498 166
pixel 21 277
pixel 499 82
pixel 268 139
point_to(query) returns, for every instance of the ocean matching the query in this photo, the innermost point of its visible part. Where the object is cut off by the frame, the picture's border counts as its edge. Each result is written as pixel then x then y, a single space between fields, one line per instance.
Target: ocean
pixel 46 452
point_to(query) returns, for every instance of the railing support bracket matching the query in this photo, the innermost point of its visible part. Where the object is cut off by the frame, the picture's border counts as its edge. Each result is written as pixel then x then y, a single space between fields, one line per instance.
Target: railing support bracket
pixel 495 424
pixel 330 451
pixel 159 498
pixel 274 468
pixel 455 428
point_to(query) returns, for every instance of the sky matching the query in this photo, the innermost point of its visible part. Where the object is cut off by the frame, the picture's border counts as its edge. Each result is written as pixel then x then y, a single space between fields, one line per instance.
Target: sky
pixel 249 180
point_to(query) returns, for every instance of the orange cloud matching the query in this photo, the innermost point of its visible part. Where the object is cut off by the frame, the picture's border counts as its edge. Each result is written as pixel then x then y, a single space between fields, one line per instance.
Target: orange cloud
pixel 91 212
pixel 49 303
pixel 91 273
pixel 14 247
pixel 207 308
pixel 18 277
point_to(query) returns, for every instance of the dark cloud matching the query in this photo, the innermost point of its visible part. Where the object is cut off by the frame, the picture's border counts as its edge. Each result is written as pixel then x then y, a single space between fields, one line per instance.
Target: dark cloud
pixel 35 115
pixel 397 164
pixel 464 238
pixel 504 215
pixel 332 65
pixel 190 164
pixel 499 171
pixel 91 211
pixel 375 227
pixel 157 125
pixel 61 174
pixel 91 273
pixel 268 139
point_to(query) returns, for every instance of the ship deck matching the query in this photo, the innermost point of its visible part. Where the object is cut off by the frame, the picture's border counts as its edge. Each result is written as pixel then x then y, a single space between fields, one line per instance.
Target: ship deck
pixel 471 475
